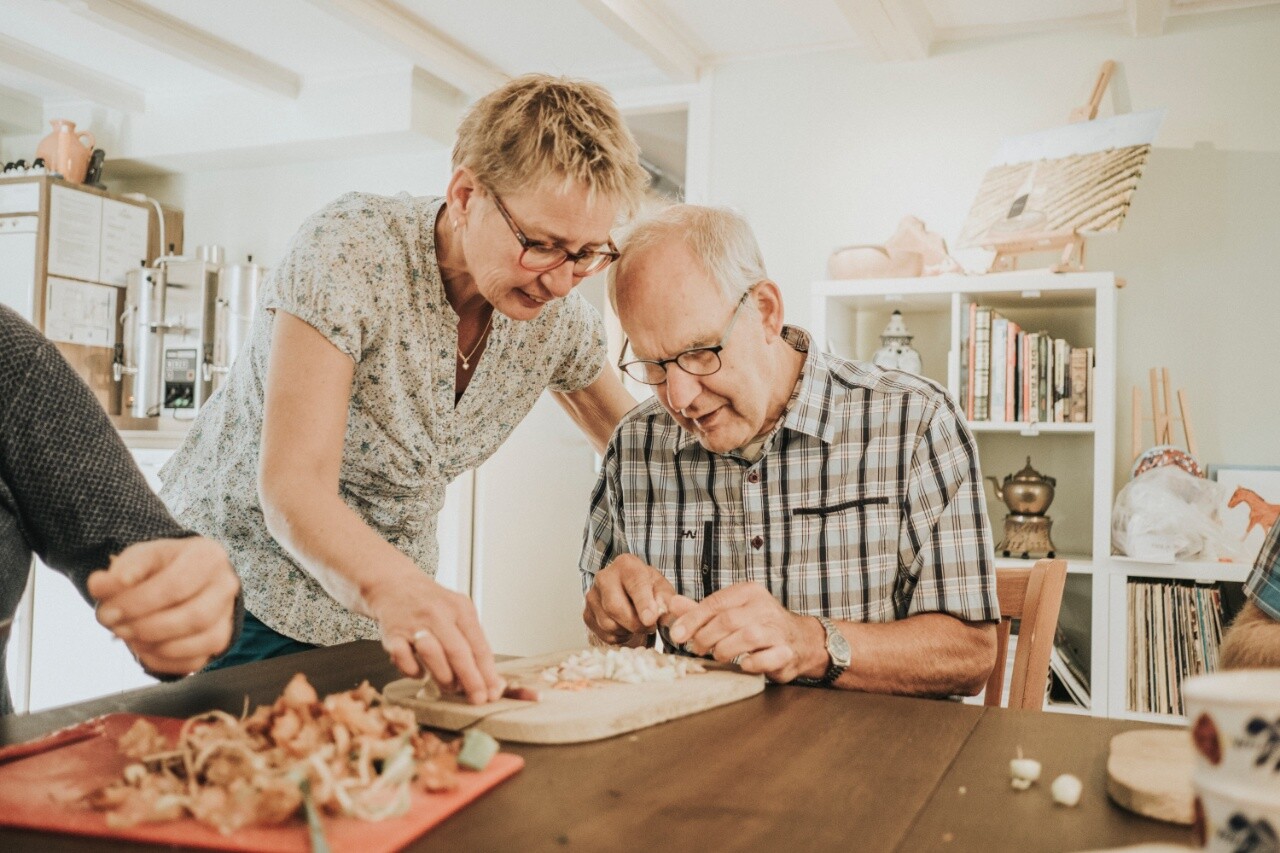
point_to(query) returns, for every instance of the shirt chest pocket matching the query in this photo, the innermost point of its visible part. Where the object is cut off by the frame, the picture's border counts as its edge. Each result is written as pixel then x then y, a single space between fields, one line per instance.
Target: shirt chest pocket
pixel 854 542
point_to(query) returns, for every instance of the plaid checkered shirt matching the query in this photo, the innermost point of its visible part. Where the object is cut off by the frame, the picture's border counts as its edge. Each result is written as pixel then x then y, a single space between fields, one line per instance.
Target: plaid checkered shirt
pixel 865 505
pixel 1263 585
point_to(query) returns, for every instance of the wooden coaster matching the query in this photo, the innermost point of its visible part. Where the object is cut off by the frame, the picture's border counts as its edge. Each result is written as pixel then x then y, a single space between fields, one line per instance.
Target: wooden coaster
pixel 1149 772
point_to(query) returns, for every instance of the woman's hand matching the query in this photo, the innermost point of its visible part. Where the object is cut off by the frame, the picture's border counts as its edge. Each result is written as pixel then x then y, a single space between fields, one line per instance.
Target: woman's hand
pixel 171 600
pixel 424 623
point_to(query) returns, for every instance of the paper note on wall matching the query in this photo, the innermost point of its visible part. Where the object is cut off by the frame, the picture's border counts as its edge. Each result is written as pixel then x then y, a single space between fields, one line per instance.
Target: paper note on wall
pixel 80 313
pixel 124 239
pixel 75 231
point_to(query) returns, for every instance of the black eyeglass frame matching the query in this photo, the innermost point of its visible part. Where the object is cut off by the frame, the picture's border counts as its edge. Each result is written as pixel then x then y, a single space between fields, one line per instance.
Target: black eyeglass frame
pixel 662 363
pixel 610 255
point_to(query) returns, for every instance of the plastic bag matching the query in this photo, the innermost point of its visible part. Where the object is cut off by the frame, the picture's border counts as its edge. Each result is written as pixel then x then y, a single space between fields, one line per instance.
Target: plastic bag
pixel 1167 514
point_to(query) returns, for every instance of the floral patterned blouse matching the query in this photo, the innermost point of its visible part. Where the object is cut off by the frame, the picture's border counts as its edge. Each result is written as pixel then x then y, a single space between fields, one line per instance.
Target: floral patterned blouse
pixel 363 273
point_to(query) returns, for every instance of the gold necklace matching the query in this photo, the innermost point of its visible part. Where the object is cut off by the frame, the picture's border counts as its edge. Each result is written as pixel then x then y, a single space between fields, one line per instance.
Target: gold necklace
pixel 466 359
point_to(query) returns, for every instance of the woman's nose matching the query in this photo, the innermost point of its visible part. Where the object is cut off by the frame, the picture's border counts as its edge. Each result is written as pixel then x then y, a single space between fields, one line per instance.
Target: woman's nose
pixel 560 280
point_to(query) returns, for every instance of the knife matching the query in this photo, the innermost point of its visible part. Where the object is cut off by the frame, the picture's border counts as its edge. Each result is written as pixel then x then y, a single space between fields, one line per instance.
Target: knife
pixel 54 740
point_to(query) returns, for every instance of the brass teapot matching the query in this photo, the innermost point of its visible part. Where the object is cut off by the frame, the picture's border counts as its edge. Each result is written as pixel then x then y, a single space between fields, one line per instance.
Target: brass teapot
pixel 1027 492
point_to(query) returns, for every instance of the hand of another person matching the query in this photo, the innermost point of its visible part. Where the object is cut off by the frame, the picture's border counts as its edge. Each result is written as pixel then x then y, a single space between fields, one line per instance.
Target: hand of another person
pixel 171 600
pixel 626 599
pixel 745 624
pixel 422 623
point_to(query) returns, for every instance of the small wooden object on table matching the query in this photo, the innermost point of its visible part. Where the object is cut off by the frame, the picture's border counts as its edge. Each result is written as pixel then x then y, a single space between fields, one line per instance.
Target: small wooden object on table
pixel 1149 773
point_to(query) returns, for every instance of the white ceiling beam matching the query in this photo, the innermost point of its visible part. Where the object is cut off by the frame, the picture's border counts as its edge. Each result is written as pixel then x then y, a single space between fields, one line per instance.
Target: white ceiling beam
pixel 192 45
pixel 428 48
pixel 894 30
pixel 638 24
pixel 20 113
pixel 1147 17
pixel 84 82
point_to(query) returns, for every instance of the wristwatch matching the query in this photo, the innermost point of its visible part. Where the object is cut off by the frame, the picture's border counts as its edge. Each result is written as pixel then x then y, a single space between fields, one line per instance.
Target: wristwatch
pixel 838 652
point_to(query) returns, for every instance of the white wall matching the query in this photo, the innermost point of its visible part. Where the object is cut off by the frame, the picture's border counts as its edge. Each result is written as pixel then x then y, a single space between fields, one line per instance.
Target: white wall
pixel 825 150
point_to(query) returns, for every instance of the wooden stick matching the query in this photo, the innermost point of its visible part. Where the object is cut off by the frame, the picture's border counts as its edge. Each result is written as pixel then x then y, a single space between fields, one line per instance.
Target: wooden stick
pixel 1186 424
pixel 1089 111
pixel 1155 404
pixel 1168 402
pixel 1137 423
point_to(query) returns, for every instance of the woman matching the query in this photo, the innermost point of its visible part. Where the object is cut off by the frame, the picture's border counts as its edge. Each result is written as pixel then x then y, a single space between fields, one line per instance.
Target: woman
pixel 404 338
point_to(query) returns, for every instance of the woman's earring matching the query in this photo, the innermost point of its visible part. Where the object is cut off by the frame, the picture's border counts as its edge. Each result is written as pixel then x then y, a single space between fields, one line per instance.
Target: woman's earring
pixel 455 225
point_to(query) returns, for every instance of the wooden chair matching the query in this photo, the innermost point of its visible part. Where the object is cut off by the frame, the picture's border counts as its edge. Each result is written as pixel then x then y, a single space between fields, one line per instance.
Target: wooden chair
pixel 1034 596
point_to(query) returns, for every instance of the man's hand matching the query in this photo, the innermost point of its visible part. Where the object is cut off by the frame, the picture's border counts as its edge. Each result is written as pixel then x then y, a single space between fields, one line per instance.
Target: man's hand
pixel 626 600
pixel 422 623
pixel 746 624
pixel 171 600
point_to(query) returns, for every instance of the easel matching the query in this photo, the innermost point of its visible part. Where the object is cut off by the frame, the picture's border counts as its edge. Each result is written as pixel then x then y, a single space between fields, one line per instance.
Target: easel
pixel 1160 416
pixel 1069 243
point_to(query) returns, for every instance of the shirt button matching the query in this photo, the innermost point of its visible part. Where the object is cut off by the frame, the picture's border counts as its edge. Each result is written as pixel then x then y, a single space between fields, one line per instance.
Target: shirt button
pixel 753 477
pixel 757 542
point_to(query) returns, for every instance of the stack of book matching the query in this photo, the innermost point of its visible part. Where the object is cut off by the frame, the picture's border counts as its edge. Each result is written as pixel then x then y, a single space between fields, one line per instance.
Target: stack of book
pixel 1011 375
pixel 1175 629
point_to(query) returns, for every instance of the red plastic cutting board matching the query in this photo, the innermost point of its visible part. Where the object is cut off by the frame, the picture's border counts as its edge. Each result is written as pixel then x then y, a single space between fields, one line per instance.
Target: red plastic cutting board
pixel 42 793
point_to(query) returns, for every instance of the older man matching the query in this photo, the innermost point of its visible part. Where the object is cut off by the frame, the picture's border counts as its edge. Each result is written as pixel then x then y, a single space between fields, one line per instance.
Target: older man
pixel 1253 640
pixel 811 518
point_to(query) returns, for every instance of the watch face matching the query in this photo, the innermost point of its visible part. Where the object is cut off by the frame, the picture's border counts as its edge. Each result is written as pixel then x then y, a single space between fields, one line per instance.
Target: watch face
pixel 839 649
pixel 837 645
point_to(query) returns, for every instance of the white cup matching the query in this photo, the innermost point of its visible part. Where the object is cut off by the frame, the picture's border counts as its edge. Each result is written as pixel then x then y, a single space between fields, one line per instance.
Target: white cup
pixel 1235 819
pixel 1235 727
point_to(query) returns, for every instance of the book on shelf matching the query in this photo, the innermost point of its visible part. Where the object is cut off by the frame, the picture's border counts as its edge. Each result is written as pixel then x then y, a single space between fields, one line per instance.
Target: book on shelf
pixel 1078 406
pixel 1044 341
pixel 999 376
pixel 1175 631
pixel 1011 376
pixel 1060 391
pixel 1074 682
pixel 980 364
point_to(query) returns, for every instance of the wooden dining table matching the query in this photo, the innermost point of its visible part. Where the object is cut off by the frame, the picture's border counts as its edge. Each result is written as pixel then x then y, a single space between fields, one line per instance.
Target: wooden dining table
pixel 791 769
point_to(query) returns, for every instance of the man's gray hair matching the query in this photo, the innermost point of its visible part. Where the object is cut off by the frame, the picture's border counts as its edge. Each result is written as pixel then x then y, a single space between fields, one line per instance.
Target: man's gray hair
pixel 718 237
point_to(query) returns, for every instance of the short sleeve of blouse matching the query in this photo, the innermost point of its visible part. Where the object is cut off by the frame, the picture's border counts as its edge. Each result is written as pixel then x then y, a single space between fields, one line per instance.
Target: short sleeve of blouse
pixel 337 267
pixel 582 334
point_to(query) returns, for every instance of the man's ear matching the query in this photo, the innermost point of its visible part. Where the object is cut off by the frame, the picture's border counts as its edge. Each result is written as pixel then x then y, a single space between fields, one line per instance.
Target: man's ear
pixel 768 299
pixel 461 192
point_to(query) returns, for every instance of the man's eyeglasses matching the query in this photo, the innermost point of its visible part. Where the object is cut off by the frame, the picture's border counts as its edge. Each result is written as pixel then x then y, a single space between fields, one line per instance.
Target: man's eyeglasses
pixel 544 257
pixel 699 361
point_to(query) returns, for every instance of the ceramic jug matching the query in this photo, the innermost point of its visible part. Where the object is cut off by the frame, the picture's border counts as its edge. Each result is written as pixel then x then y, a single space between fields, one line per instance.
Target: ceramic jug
pixel 64 153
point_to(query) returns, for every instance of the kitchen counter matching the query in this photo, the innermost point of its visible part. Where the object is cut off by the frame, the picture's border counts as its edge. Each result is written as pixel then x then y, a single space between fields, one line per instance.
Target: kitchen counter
pixel 793 768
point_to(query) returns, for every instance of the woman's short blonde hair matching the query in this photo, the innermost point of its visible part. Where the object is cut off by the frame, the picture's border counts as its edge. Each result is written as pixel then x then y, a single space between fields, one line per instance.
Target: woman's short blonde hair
pixel 537 127
pixel 720 238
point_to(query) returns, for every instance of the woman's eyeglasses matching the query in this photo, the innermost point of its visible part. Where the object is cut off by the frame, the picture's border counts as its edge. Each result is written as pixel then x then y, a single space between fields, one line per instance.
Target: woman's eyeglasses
pixel 544 257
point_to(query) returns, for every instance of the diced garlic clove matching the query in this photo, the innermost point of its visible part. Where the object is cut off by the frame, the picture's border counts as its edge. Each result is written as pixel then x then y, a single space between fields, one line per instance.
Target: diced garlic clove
pixel 1024 771
pixel 1066 789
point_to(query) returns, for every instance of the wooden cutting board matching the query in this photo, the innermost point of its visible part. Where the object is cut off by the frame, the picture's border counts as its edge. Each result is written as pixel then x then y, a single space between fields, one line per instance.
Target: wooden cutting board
pixel 605 709
pixel 1149 772
pixel 43 792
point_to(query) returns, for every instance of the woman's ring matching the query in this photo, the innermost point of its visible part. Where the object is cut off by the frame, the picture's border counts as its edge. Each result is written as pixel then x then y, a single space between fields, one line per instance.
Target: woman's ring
pixel 737 659
pixel 420 633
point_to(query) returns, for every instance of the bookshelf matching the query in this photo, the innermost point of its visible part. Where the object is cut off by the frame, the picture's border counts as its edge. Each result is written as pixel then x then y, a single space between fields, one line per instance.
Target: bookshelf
pixel 847 316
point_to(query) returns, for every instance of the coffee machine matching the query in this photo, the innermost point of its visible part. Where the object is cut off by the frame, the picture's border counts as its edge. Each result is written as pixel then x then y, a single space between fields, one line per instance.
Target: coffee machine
pixel 183 322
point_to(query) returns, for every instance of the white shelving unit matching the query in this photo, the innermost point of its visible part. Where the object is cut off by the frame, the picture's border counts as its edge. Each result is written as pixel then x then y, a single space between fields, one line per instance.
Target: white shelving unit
pixel 847 318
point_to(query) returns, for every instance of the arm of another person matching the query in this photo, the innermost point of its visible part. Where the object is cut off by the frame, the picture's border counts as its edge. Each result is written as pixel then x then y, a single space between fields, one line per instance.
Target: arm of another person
pixel 1253 640
pixel 598 408
pixel 308 392
pixel 81 500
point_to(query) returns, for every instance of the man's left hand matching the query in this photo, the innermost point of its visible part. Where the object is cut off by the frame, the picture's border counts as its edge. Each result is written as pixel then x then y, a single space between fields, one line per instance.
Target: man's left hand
pixel 746 624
